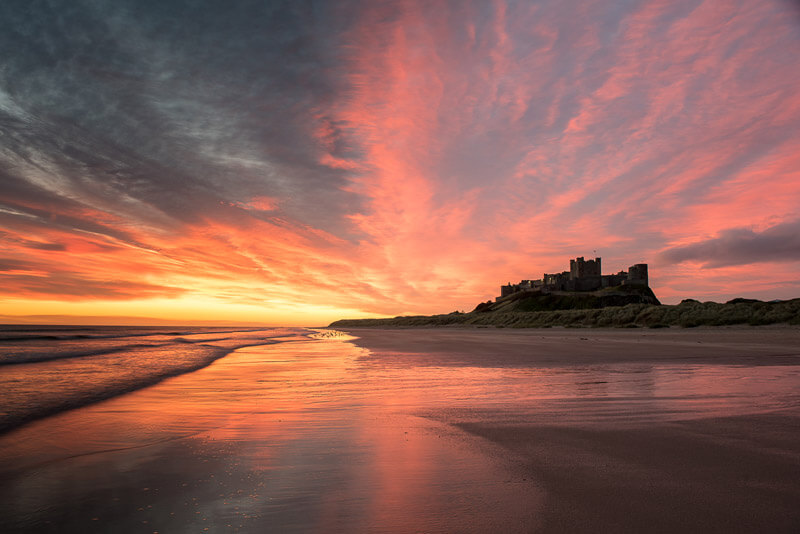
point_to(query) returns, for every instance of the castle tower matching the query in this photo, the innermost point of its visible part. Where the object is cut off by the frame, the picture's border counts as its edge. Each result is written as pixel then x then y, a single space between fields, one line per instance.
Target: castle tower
pixel 580 268
pixel 637 274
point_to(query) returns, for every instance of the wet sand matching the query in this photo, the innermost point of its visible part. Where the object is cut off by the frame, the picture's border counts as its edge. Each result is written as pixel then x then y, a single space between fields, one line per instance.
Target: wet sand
pixel 434 430
pixel 299 436
pixel 706 439
pixel 542 347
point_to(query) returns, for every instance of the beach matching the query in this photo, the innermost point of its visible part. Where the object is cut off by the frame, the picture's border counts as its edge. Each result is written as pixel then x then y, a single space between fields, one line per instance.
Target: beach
pixel 430 430
pixel 706 440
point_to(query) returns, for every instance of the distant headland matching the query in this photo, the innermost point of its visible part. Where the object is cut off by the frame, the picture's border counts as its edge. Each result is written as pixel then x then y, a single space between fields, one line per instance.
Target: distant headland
pixel 584 297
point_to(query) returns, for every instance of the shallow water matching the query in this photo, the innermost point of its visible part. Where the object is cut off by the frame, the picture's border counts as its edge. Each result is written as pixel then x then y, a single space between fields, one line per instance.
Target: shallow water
pixel 320 435
pixel 48 370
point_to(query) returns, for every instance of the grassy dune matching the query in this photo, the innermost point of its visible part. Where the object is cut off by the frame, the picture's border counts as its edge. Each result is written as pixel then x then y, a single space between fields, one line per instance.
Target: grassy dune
pixel 687 314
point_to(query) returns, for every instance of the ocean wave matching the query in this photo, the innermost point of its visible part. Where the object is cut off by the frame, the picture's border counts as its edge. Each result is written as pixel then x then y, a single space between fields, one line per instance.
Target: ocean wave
pixel 57 385
pixel 37 357
pixel 42 347
pixel 17 335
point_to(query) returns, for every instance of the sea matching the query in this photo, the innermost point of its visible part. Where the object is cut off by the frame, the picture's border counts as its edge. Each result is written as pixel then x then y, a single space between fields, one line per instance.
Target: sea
pixel 45 370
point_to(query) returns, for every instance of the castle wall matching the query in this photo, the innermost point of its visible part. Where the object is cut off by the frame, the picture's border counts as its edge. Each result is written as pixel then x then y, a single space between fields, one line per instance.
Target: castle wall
pixel 613 280
pixel 558 282
pixel 586 283
pixel 507 290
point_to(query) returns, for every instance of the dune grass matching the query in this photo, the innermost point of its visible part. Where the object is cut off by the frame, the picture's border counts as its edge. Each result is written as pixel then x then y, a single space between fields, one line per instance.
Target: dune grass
pixel 687 314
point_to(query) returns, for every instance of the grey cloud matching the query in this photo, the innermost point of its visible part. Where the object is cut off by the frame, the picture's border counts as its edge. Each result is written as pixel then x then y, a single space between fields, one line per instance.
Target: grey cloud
pixel 159 102
pixel 741 246
pixel 27 243
pixel 45 246
pixel 14 265
pixel 24 205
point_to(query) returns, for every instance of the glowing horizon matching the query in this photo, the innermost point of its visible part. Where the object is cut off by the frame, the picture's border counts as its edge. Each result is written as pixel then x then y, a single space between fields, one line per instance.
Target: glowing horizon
pixel 293 165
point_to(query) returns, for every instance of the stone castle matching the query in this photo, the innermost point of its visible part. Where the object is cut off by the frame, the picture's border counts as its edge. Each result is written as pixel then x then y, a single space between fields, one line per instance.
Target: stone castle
pixel 583 275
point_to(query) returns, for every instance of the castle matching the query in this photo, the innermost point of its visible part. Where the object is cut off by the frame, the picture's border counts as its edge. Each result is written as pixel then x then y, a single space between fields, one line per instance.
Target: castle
pixel 583 275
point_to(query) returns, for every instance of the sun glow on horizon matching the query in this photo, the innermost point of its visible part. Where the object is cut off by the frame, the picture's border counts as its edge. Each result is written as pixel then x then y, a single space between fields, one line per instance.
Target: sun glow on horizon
pixel 178 311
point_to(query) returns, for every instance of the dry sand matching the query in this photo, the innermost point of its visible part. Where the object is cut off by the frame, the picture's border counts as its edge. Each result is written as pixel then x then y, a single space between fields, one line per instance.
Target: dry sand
pixel 617 463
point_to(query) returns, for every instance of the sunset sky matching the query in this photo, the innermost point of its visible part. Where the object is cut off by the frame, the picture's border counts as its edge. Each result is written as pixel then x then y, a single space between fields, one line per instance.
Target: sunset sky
pixel 299 162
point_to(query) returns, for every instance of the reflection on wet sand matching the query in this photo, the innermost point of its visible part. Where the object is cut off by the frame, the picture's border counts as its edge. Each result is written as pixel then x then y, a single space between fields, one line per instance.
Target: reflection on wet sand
pixel 291 437
pixel 321 435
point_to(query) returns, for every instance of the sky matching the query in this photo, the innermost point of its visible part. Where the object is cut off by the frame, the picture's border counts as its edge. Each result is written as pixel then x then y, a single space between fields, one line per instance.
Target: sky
pixel 292 163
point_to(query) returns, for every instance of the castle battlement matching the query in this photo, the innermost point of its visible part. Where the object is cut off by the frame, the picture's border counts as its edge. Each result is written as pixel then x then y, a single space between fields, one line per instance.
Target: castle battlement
pixel 583 275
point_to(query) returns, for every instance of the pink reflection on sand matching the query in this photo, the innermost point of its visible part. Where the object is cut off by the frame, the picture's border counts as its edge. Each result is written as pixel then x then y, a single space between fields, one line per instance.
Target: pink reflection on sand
pixel 314 434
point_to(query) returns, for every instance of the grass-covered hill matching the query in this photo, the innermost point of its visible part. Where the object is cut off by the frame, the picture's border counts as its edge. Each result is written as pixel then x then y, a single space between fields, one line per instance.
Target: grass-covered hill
pixel 527 301
pixel 536 312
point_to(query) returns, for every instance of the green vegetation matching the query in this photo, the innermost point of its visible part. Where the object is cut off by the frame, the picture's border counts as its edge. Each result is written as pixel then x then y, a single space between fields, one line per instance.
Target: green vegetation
pixel 687 314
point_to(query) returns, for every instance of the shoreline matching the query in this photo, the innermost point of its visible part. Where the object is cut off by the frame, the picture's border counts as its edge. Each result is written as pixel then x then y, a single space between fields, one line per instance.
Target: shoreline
pixel 33 379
